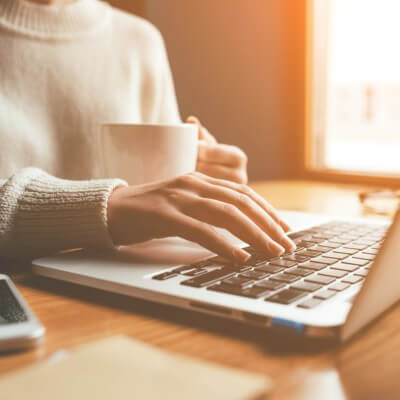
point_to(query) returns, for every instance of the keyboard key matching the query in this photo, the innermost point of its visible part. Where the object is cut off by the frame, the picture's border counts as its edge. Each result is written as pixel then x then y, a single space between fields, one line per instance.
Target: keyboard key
pixel 333 273
pixel 368 242
pixel 310 253
pixel 239 268
pixel 254 275
pixel 323 280
pixel 306 286
pixel 306 244
pixel 284 263
pixel 352 279
pixel 261 263
pixel 271 285
pixel 315 240
pixel 331 245
pixel 371 251
pixel 195 272
pixel 325 294
pixel 182 269
pixel 355 246
pixel 324 236
pixel 355 261
pixel 220 287
pixel 296 235
pixel 346 251
pixel 350 237
pixel 299 271
pixel 322 249
pixel 335 255
pixel 323 260
pixel 363 256
pixel 345 267
pixel 340 240
pixel 312 265
pixel 164 276
pixel 285 278
pixel 339 286
pixel 208 278
pixel 237 281
pixel 269 269
pixel 361 272
pixel 286 296
pixel 309 303
pixel 254 292
pixel 296 257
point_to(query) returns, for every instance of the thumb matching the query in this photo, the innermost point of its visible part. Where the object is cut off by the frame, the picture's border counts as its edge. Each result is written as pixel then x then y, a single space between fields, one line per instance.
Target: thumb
pixel 203 132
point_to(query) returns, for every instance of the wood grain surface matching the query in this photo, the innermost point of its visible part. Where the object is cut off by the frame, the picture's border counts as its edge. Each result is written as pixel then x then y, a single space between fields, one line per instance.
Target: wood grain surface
pixel 365 368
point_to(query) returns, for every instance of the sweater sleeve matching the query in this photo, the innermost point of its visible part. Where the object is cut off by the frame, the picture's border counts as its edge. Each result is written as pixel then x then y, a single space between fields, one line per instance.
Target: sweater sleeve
pixel 41 214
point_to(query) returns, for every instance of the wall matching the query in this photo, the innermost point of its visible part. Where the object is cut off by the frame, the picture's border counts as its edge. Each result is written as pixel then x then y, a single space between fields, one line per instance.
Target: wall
pixel 238 65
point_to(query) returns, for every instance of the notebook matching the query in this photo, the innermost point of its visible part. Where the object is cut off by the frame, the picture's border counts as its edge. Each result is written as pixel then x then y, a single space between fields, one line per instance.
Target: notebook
pixel 121 368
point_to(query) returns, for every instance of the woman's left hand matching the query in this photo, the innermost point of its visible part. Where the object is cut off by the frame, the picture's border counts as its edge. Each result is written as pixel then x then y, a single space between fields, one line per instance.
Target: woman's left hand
pixel 218 160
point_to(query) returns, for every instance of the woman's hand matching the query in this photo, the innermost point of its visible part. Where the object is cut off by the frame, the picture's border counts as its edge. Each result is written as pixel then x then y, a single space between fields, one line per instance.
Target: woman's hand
pixel 191 206
pixel 219 160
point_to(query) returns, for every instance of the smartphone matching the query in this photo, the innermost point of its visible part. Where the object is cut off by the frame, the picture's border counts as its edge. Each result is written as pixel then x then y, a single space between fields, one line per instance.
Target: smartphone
pixel 19 327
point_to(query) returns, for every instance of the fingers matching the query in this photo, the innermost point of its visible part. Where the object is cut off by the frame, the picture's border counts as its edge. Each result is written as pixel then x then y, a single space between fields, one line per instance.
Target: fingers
pixel 222 172
pixel 227 216
pixel 204 234
pixel 203 132
pixel 252 210
pixel 222 154
pixel 254 196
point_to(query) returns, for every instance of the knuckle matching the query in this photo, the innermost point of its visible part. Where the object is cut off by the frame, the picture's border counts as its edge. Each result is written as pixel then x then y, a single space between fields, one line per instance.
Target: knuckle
pixel 242 177
pixel 242 155
pixel 245 200
pixel 199 176
pixel 228 209
pixel 171 195
pixel 239 155
pixel 187 180
pixel 236 176
pixel 245 189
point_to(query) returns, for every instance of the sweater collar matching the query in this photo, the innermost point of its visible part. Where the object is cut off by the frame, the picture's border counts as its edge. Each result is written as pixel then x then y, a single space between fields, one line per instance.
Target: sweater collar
pixel 53 21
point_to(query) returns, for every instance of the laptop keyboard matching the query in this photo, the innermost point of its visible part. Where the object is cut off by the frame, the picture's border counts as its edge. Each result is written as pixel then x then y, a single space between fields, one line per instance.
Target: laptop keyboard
pixel 329 259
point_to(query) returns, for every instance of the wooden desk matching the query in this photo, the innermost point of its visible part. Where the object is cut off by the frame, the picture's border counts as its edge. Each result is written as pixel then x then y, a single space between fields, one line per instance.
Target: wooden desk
pixel 365 368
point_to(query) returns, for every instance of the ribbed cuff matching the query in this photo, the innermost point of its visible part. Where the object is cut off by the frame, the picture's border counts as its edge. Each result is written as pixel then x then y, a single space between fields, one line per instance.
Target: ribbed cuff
pixel 54 214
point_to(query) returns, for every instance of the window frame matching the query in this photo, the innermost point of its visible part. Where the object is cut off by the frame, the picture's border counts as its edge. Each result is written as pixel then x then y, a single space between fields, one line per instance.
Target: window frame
pixel 315 69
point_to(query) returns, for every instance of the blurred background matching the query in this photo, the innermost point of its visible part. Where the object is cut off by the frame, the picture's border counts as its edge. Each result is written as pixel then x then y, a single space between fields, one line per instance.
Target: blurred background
pixel 239 66
pixel 308 88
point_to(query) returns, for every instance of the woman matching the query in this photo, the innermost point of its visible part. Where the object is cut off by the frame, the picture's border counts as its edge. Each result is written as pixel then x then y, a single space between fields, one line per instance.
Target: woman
pixel 65 67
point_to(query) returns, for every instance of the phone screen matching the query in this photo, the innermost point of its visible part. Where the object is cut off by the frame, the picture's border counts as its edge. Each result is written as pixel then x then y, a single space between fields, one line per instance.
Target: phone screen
pixel 10 310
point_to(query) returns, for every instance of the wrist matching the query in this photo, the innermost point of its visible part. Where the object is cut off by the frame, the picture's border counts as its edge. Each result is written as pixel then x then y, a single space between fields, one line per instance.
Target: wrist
pixel 113 205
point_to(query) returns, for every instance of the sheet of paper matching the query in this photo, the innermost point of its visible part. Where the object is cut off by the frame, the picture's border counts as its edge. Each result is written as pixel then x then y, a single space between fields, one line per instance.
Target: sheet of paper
pixel 121 368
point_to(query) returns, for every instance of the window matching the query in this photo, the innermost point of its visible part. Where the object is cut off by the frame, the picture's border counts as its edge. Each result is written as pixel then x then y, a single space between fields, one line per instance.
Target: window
pixel 354 87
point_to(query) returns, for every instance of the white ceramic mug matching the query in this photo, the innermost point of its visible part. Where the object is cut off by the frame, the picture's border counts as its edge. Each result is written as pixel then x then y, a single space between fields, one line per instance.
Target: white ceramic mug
pixel 146 153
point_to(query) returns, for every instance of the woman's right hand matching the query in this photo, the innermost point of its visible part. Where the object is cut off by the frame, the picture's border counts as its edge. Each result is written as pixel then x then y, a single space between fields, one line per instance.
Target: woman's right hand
pixel 191 206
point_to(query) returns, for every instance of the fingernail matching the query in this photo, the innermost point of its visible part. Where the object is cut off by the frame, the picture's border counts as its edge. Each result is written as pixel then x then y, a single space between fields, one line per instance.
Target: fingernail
pixel 277 249
pixel 241 255
pixel 292 246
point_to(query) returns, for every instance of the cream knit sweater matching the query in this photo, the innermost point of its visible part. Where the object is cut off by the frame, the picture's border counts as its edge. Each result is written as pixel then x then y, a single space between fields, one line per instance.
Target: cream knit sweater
pixel 64 70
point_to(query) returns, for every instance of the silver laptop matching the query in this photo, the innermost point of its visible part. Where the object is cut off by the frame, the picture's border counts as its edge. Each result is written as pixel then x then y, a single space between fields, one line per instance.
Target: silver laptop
pixel 343 275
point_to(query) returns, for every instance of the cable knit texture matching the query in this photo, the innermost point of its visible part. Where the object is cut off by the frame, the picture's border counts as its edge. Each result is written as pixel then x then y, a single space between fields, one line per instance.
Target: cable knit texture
pixel 40 213
pixel 64 70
